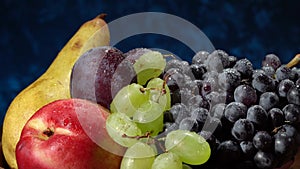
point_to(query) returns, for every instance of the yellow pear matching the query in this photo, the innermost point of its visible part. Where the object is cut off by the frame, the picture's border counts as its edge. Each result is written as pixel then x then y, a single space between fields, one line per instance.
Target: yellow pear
pixel 54 84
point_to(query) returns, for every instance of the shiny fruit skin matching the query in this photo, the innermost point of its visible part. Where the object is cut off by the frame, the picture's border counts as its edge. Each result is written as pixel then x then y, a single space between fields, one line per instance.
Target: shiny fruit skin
pixel 66 134
pixel 52 85
pixel 92 76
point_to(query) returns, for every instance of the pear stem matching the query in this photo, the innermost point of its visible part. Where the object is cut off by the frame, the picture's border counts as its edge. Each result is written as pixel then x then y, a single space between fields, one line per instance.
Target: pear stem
pixel 294 62
pixel 101 16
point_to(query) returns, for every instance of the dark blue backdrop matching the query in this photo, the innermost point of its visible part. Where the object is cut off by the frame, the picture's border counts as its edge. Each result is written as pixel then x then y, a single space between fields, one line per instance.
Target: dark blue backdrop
pixel 32 32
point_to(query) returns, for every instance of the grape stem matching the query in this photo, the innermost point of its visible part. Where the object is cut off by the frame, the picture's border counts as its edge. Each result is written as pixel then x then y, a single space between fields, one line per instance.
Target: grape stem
pixel 294 62
pixel 276 129
pixel 161 146
pixel 146 135
pixel 151 140
pixel 163 91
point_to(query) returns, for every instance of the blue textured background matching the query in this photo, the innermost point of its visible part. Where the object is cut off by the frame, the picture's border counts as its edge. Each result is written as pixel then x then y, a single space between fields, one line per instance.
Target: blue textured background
pixel 33 32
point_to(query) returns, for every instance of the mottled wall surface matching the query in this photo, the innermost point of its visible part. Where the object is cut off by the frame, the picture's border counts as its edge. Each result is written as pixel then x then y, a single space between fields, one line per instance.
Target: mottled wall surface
pixel 32 32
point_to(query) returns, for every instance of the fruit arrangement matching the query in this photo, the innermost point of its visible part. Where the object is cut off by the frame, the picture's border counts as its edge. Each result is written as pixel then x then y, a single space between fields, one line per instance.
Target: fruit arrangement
pixel 217 112
pixel 97 107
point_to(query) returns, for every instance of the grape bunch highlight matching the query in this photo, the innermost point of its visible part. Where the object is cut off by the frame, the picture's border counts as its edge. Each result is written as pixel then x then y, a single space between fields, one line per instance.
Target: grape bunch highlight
pixel 217 112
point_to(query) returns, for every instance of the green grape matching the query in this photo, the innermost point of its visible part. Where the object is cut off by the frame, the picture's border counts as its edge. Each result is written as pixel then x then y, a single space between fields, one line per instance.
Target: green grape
pixel 149 65
pixel 185 166
pixel 118 125
pixel 138 156
pixel 189 146
pixel 128 99
pixel 157 85
pixel 149 117
pixel 167 160
pixel 149 141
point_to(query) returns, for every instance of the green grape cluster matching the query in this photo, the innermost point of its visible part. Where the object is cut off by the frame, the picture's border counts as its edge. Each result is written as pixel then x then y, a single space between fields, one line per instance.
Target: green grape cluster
pixel 182 147
pixel 141 106
pixel 143 103
pixel 137 119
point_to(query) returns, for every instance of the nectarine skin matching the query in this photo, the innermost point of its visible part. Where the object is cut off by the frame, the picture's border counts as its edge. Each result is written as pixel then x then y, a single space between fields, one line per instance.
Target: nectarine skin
pixel 54 138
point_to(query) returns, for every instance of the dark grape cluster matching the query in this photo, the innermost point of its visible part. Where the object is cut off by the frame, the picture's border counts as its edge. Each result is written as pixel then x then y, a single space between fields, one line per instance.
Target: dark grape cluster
pixel 249 116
